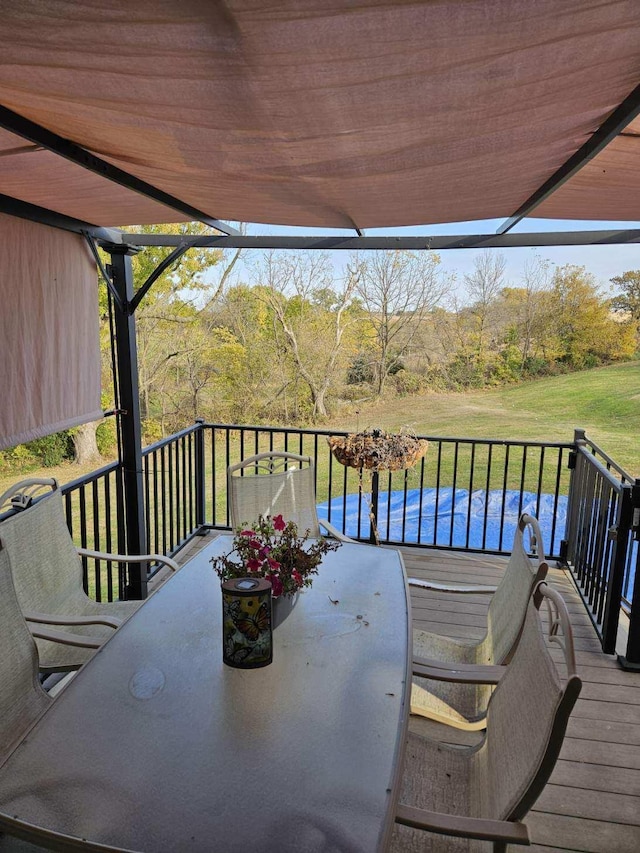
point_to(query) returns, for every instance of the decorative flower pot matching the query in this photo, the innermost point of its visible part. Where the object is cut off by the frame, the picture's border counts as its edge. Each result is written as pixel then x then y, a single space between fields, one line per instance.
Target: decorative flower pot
pixel 281 608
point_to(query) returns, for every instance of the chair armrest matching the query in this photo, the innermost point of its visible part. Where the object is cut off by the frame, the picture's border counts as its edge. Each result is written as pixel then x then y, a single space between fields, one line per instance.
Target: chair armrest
pixel 463 673
pixel 59 686
pixel 126 558
pixel 64 638
pixel 461 826
pixel 476 589
pixel 333 531
pixel 54 619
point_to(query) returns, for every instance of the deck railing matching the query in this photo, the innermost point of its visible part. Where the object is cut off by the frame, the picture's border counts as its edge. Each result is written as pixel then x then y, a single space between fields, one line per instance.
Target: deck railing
pixel 173 474
pixel 465 494
pixel 601 544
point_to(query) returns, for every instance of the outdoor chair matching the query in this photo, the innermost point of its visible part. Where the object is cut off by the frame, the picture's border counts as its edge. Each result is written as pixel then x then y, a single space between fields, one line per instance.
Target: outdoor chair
pixel 22 699
pixel 47 576
pixel 484 791
pixel 276 483
pixel 450 696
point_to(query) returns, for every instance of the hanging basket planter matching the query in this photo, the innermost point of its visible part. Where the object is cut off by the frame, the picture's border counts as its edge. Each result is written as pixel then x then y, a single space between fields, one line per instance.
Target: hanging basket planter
pixel 377 450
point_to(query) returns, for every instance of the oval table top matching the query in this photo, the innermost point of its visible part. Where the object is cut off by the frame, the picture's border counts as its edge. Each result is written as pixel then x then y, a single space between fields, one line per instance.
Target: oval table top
pixel 156 745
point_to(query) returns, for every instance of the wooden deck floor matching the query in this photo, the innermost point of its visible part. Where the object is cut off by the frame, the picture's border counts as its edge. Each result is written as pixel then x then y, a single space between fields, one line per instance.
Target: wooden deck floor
pixel 592 802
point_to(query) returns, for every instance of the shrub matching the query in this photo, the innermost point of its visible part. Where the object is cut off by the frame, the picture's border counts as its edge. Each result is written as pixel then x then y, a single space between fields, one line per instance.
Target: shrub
pixel 106 438
pixel 406 382
pixel 360 370
pixel 52 450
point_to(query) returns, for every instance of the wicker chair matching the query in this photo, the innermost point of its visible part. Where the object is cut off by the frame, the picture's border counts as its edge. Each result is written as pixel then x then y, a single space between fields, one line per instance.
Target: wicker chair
pixel 484 791
pixel 276 483
pixel 462 674
pixel 47 576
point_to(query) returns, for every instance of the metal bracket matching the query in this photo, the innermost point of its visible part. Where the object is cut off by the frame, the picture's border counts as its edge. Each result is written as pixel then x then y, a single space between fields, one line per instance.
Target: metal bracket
pixel 104 271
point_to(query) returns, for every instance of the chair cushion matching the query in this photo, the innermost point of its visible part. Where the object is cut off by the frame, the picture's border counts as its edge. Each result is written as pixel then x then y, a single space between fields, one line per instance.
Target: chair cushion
pixel 435 777
pixel 448 699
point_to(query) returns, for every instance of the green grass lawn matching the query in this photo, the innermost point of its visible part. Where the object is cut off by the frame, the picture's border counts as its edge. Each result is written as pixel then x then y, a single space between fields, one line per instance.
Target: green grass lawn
pixel 604 401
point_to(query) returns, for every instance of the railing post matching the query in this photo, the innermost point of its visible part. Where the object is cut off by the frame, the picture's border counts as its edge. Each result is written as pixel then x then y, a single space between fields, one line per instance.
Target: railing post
pixel 199 475
pixel 631 660
pixel 620 536
pixel 129 418
pixel 568 543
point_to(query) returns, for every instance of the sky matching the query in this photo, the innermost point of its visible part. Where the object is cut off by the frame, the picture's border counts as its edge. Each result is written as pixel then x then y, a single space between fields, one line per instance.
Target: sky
pixel 603 261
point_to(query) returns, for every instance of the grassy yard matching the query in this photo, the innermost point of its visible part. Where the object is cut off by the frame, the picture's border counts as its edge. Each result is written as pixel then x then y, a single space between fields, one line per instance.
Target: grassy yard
pixel 604 401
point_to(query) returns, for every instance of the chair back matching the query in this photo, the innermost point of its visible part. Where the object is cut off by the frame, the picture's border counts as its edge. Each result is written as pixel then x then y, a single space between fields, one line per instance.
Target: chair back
pixel 274 483
pixel 509 603
pixel 527 716
pixel 22 699
pixel 23 494
pixel 47 572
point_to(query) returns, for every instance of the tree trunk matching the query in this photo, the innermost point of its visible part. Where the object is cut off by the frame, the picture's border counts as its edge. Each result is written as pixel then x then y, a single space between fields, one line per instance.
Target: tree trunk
pixel 319 407
pixel 85 446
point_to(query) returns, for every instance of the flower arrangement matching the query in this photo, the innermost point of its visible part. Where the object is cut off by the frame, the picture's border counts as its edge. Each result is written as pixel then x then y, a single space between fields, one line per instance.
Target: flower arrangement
pixel 272 548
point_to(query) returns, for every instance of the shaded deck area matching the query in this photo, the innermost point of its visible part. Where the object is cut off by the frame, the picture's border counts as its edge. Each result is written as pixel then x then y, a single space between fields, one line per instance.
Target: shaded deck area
pixel 592 803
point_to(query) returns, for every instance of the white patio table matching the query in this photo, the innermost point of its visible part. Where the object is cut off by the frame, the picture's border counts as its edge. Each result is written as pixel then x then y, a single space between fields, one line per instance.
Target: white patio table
pixel 156 745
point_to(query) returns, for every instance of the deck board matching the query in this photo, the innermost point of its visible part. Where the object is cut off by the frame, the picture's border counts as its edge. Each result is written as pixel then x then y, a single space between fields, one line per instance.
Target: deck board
pixel 592 802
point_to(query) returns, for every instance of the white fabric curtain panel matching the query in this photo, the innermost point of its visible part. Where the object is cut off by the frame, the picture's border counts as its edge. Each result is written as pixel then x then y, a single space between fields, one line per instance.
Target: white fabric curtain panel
pixel 50 364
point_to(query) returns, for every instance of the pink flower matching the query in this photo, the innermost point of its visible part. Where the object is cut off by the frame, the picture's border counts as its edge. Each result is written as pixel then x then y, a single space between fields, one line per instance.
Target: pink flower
pixel 278 522
pixel 276 585
pixel 255 544
pixel 253 565
pixel 246 533
pixel 265 551
pixel 273 564
pixel 297 577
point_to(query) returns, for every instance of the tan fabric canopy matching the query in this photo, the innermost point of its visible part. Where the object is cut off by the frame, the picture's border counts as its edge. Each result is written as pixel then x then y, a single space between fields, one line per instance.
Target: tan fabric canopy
pixel 332 113
pixel 50 365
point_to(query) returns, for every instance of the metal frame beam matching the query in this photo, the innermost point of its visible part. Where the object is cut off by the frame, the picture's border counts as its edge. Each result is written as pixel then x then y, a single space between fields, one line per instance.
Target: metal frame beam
pixel 436 242
pixel 80 156
pixel 607 131
pixel 34 213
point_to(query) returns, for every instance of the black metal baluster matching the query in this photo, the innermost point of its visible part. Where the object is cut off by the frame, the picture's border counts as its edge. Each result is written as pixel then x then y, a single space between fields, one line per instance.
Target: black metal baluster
pixel 96 539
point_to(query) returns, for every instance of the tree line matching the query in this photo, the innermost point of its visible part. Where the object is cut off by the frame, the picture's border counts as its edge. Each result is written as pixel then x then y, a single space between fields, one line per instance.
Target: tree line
pixel 292 341
pixel 284 338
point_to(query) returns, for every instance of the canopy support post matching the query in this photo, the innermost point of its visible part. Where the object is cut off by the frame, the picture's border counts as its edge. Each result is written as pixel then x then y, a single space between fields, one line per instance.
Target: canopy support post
pixel 129 418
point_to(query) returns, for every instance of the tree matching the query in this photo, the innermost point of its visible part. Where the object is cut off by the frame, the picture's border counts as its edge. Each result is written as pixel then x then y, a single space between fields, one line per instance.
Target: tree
pixel 484 285
pixel 397 289
pixel 168 319
pixel 311 316
pixel 85 443
pixel 585 331
pixel 523 313
pixel 627 303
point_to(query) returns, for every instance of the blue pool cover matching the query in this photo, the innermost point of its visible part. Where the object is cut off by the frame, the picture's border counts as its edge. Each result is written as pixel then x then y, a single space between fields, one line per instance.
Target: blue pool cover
pixel 482 520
